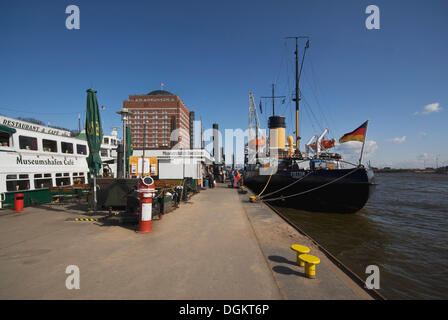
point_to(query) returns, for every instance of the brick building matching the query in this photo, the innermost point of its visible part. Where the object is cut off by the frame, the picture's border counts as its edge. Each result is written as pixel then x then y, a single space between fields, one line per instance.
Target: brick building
pixel 166 118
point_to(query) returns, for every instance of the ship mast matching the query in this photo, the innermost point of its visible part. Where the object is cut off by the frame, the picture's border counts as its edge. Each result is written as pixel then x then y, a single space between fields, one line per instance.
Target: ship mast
pixel 297 93
pixel 253 110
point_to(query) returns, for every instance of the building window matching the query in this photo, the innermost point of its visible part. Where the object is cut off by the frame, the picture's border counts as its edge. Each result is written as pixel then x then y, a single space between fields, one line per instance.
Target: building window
pixel 4 139
pixel 79 180
pixel 14 183
pixel 41 183
pixel 27 143
pixel 104 152
pixel 66 147
pixel 81 149
pixel 50 145
pixel 62 182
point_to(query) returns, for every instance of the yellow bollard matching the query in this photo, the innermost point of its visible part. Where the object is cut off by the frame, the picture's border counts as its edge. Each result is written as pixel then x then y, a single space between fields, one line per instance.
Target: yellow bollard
pixel 310 265
pixel 300 250
pixel 252 199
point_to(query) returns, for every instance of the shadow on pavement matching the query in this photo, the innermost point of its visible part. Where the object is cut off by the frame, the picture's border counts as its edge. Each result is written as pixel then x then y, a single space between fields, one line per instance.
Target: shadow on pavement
pixel 287 271
pixel 282 260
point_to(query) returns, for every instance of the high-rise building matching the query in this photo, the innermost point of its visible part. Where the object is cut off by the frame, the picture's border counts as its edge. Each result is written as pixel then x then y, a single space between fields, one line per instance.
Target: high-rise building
pixel 158 120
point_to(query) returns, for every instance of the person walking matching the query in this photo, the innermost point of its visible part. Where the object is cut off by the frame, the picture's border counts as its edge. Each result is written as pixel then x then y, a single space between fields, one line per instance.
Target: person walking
pixel 212 179
pixel 232 177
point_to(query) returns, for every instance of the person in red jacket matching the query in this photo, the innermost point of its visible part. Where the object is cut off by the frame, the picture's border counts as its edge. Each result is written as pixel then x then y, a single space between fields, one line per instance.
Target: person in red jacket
pixel 237 183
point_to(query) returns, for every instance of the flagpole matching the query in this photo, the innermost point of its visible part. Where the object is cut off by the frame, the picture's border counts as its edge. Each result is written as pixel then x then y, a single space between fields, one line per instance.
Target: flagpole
pixel 363 143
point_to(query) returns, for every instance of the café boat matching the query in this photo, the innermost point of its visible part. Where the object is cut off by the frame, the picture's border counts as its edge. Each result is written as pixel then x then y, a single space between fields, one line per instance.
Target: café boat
pixel 36 158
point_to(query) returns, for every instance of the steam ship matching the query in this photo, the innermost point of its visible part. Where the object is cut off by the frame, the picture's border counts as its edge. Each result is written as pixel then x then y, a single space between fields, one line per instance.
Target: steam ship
pixel 313 180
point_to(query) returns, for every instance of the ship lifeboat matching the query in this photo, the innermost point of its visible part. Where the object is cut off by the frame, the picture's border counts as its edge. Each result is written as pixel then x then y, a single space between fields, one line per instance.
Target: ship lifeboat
pixel 257 142
pixel 325 144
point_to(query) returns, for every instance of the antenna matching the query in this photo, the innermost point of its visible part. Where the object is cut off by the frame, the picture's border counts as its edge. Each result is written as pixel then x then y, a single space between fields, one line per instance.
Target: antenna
pixel 297 97
pixel 273 97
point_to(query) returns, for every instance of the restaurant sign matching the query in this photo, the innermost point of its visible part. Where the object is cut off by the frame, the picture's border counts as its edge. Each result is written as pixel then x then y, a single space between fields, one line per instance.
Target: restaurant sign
pixel 13 123
pixel 44 162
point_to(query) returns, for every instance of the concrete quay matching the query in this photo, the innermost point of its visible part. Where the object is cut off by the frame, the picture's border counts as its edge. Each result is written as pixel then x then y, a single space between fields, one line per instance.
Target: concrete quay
pixel 217 245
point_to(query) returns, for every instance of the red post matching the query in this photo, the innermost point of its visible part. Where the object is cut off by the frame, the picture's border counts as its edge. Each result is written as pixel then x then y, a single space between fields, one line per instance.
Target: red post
pixel 146 193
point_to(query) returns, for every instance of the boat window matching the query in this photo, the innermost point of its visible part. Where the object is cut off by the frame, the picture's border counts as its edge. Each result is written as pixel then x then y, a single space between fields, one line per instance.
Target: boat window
pixel 81 173
pixel 106 140
pixel 58 174
pixel 37 176
pixel 46 175
pixel 14 184
pixel 50 145
pixel 4 139
pixel 66 147
pixel 79 180
pixel 75 174
pixel 42 183
pixel 81 149
pixel 62 182
pixel 67 174
pixel 27 143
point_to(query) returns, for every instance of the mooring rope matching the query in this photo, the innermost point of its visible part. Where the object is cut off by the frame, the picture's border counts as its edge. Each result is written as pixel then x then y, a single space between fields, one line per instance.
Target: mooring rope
pixel 267 195
pixel 267 183
pixel 313 189
pixel 258 197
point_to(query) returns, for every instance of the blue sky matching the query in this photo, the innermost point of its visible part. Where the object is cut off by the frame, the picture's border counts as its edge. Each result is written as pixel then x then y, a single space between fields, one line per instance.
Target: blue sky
pixel 213 53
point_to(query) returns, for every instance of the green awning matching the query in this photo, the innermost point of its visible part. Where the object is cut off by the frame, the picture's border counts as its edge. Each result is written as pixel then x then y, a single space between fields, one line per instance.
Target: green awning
pixel 7 129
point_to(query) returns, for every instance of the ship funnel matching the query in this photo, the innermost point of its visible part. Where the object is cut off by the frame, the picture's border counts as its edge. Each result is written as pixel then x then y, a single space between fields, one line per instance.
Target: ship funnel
pixel 277 127
pixel 290 145
pixel 216 144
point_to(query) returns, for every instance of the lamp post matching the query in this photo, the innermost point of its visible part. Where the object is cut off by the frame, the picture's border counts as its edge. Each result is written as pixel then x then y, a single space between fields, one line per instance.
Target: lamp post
pixel 144 147
pixel 124 117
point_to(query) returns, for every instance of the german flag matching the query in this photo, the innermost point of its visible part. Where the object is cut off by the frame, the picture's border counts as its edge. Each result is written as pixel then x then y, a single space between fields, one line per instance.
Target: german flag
pixel 358 134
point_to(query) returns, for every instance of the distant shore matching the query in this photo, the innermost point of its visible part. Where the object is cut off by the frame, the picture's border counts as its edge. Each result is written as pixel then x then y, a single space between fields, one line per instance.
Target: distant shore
pixel 443 170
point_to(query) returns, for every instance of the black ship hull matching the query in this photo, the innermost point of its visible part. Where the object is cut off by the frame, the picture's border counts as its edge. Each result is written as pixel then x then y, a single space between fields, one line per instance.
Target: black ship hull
pixel 345 190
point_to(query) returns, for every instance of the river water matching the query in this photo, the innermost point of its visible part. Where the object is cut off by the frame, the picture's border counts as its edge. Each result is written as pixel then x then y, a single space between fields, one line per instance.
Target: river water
pixel 403 229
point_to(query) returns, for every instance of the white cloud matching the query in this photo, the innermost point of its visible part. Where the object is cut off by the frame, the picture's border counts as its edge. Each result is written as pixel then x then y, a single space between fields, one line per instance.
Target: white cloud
pixel 430 108
pixel 351 150
pixel 398 139
pixel 424 156
pixel 423 134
